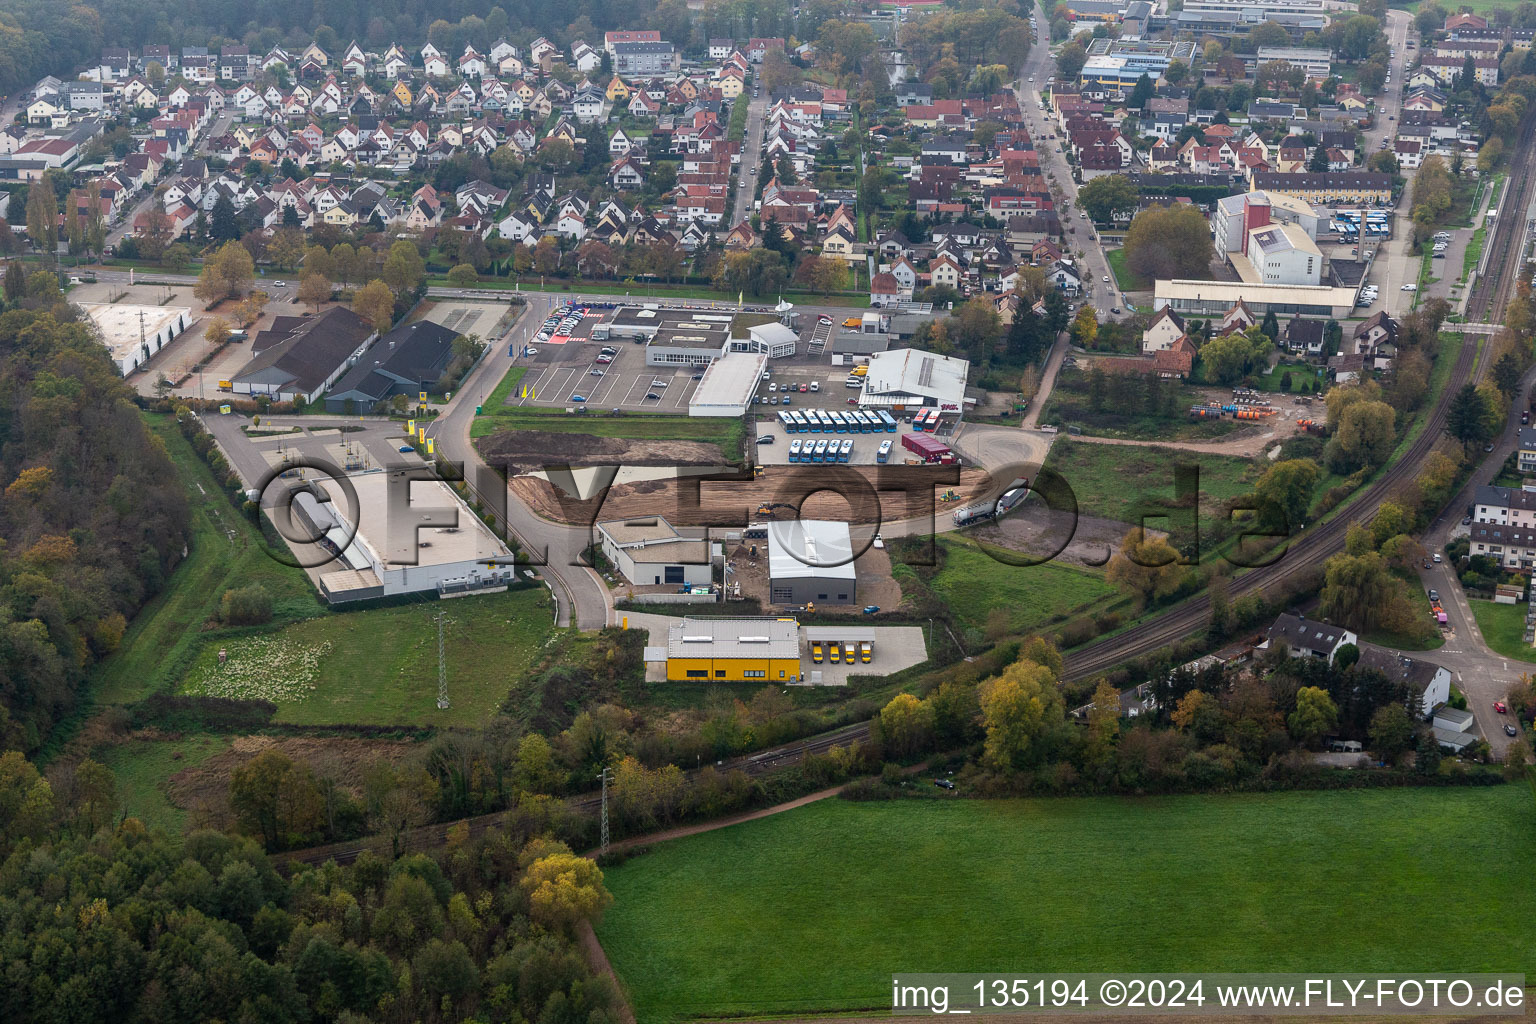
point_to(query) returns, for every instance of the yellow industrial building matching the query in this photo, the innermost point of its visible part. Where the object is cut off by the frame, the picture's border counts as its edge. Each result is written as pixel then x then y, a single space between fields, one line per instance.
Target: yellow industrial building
pixel 734 650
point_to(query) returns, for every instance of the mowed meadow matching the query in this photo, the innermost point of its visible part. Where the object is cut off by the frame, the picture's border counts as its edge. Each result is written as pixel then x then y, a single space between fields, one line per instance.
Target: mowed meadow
pixel 814 909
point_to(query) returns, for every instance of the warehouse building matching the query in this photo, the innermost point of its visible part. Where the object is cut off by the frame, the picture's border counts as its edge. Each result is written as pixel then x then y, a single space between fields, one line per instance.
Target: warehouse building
pixel 134 333
pixel 907 379
pixel 407 361
pixel 810 561
pixel 650 552
pixel 299 357
pixel 733 650
pixel 1206 298
pixel 728 385
pixel 388 551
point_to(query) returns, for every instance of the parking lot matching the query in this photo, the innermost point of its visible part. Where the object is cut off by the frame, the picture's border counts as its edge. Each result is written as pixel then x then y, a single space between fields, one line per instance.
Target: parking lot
pixel 558 374
pixel 865 447
pixel 477 318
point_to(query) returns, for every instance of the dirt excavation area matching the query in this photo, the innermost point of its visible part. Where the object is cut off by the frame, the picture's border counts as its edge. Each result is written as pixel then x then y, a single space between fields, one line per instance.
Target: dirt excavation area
pixel 845 493
pixel 1039 532
pixel 522 450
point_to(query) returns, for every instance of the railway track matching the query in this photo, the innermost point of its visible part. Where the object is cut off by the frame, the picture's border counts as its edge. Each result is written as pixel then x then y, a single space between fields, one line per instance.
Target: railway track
pixel 1304 555
pixel 754 765
pixel 1503 267
pixel 1307 553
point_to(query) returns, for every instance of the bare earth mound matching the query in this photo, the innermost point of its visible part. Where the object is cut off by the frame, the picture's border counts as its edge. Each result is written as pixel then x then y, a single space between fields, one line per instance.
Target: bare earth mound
pixel 534 449
pixel 734 503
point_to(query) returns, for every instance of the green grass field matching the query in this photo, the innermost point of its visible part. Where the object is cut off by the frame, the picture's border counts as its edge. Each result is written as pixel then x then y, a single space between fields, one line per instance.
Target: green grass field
pixel 496 402
pixel 814 909
pixel 1503 628
pixel 974 583
pixel 142 768
pixel 226 551
pixel 1125 279
pixel 1123 482
pixel 1301 379
pixel 379 667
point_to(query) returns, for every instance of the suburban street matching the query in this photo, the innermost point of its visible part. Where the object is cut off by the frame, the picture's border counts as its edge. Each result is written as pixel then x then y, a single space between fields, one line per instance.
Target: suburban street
pixel 1483 675
pixel 218 126
pixel 1040 65
pixel 751 156
pixel 1394 266
pixel 580 595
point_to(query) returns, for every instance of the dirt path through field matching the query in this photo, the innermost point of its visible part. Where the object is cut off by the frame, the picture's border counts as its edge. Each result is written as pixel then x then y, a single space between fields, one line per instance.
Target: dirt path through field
pixel 1245 445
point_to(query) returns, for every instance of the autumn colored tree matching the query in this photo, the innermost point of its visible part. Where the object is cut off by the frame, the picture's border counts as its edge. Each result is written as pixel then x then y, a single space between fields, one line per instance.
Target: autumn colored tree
pixel 226 274
pixel 216 332
pixel 375 302
pixel 286 247
pixel 563 889
pixel 1146 565
pixel 315 289
pixel 906 724
pixel 1020 709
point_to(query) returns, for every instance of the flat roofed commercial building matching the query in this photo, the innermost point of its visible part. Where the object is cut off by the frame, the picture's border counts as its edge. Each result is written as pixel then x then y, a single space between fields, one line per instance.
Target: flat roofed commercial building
pixel 734 650
pixel 648 551
pixel 810 561
pixel 1280 254
pixel 1203 298
pixel 911 378
pixel 694 343
pixel 383 551
pixel 1315 62
pixel 1260 9
pixel 134 333
pixel 673 337
pixel 728 385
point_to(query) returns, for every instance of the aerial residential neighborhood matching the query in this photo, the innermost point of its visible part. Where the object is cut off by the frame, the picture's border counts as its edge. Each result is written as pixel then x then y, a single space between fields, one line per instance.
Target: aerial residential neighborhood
pixel 678 511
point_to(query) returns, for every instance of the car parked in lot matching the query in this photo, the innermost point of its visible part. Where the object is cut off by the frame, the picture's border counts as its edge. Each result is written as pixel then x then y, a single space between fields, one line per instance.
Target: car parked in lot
pixel 765 439
pixel 652 396
pixel 578 398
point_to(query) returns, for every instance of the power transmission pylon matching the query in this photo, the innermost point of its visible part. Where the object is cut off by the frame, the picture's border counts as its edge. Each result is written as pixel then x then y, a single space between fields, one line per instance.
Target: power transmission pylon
pixel 442 668
pixel 604 819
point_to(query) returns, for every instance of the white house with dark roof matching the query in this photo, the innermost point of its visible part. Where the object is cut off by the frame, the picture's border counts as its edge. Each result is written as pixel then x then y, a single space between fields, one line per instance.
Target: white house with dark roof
pixel 1308 638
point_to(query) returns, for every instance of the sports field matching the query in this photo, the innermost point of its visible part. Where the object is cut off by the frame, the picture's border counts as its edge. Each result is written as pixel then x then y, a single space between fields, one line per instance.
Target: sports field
pixel 814 909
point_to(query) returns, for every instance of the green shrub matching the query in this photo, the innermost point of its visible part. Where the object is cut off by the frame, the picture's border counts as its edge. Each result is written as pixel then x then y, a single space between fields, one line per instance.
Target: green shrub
pixel 246 606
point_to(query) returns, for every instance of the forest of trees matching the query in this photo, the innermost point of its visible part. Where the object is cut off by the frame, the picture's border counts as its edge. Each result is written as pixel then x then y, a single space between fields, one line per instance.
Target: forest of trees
pixel 92 520
pixel 105 920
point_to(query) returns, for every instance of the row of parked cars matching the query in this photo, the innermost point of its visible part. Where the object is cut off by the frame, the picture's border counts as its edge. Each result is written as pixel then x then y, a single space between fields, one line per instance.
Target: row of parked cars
pixel 562 320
